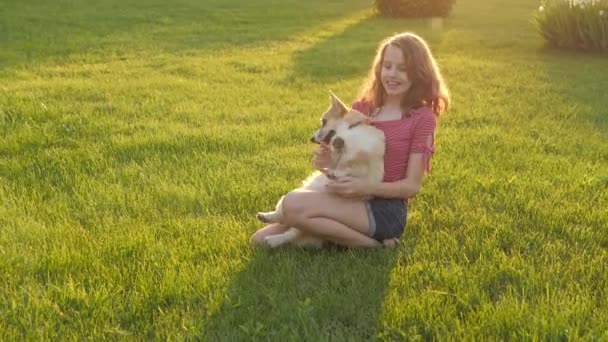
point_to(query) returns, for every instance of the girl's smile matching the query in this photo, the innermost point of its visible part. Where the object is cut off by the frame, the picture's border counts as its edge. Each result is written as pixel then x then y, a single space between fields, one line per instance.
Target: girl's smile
pixel 393 74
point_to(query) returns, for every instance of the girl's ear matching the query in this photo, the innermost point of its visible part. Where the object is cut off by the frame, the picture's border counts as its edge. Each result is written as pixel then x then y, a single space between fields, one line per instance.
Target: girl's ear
pixel 337 104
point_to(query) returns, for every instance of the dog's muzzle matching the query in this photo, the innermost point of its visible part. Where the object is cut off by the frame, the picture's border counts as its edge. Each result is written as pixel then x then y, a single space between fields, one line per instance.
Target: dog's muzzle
pixel 326 139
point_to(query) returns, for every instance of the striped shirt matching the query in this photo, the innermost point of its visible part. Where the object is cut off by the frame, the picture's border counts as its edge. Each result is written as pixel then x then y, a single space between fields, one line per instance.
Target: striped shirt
pixel 403 137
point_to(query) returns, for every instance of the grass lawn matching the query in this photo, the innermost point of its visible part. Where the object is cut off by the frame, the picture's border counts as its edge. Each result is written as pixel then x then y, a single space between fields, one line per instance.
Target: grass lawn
pixel 139 139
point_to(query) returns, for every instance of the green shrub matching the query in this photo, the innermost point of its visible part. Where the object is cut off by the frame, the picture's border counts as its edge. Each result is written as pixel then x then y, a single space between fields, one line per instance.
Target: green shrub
pixel 414 8
pixel 574 24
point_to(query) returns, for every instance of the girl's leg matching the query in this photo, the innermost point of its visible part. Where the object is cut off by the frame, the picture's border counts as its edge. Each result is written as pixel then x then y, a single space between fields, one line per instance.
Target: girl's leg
pixel 257 239
pixel 334 218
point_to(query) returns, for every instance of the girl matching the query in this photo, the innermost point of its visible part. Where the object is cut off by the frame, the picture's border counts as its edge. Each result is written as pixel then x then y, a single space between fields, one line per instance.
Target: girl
pixel 403 96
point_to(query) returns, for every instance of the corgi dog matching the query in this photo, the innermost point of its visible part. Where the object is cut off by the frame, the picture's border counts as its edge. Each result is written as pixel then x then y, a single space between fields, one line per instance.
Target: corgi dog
pixel 356 150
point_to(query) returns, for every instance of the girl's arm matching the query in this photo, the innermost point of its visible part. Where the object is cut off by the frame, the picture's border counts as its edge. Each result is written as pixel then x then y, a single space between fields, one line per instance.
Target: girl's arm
pixel 405 188
pixel 418 162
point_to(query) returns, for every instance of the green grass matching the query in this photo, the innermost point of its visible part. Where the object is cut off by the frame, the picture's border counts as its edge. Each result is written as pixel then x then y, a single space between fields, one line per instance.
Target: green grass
pixel 139 138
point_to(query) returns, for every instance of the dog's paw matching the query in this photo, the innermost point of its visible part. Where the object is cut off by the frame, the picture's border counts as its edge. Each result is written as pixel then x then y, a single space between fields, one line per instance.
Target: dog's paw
pixel 274 241
pixel 262 218
pixel 337 174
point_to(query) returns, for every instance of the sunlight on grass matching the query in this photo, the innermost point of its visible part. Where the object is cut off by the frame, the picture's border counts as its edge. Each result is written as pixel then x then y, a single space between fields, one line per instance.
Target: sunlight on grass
pixel 137 147
pixel 318 34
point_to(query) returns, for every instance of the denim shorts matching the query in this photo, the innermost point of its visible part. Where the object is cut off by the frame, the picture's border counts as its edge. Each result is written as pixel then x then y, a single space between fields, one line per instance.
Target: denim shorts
pixel 387 217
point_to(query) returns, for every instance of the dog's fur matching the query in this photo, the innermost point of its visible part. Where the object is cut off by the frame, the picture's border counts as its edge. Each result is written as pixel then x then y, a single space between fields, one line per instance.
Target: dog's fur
pixel 357 150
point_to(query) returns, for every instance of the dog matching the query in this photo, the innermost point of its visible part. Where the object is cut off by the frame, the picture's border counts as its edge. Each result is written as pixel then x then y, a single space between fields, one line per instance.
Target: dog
pixel 356 150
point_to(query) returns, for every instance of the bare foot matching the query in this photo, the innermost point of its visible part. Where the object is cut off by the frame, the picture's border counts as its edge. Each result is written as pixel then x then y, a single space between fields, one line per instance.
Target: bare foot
pixel 257 239
pixel 391 243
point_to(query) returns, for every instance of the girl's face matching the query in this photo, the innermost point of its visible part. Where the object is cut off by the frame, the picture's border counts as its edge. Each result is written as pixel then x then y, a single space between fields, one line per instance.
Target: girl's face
pixel 392 74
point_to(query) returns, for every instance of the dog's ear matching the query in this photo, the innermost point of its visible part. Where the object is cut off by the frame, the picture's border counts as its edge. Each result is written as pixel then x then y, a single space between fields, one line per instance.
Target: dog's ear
pixel 337 104
pixel 364 119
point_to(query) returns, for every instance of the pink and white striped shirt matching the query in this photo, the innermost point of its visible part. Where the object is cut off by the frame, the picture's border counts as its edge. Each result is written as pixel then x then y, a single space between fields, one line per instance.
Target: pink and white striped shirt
pixel 403 137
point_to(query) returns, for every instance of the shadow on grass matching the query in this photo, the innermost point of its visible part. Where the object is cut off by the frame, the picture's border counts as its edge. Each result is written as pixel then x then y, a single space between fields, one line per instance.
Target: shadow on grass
pixel 305 295
pixel 318 295
pixel 351 52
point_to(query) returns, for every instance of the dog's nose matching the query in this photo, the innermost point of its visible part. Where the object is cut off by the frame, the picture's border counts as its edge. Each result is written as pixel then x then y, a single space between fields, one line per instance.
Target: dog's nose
pixel 337 143
pixel 312 139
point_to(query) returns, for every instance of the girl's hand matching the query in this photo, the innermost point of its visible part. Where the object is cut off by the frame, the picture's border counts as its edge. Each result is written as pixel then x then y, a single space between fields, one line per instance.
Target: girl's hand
pixel 322 157
pixel 349 187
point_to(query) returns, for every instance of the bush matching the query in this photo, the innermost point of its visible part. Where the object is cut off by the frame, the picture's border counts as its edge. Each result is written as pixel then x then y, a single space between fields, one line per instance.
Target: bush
pixel 574 24
pixel 414 8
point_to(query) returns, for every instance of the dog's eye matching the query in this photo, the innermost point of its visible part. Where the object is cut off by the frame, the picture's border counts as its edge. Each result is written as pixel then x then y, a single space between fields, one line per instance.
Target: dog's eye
pixel 323 122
